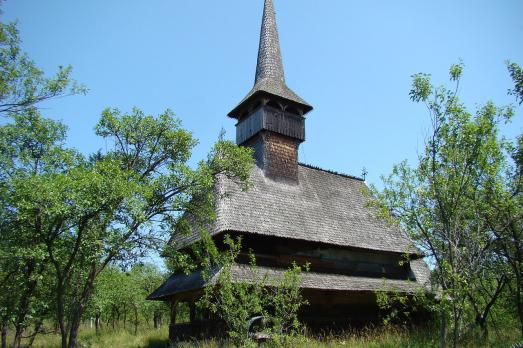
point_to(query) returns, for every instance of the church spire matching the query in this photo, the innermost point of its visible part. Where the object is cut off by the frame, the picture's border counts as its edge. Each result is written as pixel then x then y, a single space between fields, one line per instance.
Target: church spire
pixel 270 64
pixel 270 118
pixel 269 82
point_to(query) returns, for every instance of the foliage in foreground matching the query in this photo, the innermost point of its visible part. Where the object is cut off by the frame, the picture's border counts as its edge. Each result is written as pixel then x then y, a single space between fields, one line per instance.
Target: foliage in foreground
pixel 462 205
pixel 236 301
pixel 370 337
pixel 65 217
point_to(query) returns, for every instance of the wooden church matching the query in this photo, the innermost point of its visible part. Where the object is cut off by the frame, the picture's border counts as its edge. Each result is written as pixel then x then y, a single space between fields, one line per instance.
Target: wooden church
pixel 296 212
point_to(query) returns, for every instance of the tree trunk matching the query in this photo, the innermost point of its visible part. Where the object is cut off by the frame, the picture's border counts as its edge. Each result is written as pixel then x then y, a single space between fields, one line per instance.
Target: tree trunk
pixel 135 320
pixel 4 335
pixel 76 318
pixel 23 306
pixel 118 314
pixel 38 327
pixel 113 316
pixel 443 331
pixel 455 329
pixel 519 300
pixel 157 319
pixel 18 335
pixel 60 309
pixel 73 333
pixel 97 322
pixel 172 324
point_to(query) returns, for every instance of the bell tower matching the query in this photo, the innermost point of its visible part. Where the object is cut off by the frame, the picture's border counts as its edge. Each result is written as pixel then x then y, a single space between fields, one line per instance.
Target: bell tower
pixel 271 117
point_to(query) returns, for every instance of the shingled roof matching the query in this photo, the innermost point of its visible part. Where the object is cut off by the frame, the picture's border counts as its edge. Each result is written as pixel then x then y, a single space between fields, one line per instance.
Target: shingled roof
pixel 321 207
pixel 179 282
pixel 270 77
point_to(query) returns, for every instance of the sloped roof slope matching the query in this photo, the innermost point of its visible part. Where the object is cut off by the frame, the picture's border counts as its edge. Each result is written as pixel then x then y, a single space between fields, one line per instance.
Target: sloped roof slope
pixel 179 283
pixel 322 207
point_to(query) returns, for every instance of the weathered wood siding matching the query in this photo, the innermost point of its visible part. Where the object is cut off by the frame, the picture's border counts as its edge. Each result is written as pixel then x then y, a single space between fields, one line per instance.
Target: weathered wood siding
pixel 271 119
pixel 280 253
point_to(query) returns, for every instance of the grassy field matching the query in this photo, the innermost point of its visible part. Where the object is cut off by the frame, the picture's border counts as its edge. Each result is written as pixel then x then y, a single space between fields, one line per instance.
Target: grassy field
pixel 150 338
pixel 146 338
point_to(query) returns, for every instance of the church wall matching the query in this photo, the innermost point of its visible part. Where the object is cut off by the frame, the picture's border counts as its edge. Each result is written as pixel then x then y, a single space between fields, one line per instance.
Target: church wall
pixel 280 253
pixel 341 307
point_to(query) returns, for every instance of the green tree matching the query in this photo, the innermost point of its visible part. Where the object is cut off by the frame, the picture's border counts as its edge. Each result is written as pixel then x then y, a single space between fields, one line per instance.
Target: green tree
pixel 516 73
pixel 118 205
pixel 22 84
pixel 66 217
pixel 108 297
pixel 119 294
pixel 501 207
pixel 150 278
pixel 436 202
pixel 283 298
pixel 29 146
pixel 236 301
pixel 78 216
pixel 232 301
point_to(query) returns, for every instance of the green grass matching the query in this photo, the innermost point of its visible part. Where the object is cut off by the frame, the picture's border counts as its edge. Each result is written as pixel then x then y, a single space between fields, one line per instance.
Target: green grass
pixel 377 338
pixel 373 338
pixel 146 338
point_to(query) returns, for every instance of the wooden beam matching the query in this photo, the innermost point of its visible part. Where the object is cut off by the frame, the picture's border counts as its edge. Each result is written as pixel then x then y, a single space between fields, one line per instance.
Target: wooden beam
pixel 192 312
pixel 172 325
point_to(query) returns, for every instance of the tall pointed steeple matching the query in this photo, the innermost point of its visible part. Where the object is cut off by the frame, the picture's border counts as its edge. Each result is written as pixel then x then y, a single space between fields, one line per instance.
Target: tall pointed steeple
pixel 270 118
pixel 270 64
pixel 270 78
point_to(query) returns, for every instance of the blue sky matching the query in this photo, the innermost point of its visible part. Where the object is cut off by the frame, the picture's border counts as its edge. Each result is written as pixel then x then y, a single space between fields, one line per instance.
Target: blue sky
pixel 352 60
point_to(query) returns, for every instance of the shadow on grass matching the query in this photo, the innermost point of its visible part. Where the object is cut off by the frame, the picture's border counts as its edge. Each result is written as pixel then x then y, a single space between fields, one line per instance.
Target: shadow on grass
pixel 157 343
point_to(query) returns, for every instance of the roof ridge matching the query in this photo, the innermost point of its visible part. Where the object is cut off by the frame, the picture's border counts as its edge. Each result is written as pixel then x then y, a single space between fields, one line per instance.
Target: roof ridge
pixel 331 171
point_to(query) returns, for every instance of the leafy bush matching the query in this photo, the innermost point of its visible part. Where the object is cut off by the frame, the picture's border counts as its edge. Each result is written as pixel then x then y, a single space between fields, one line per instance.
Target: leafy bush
pixel 236 302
